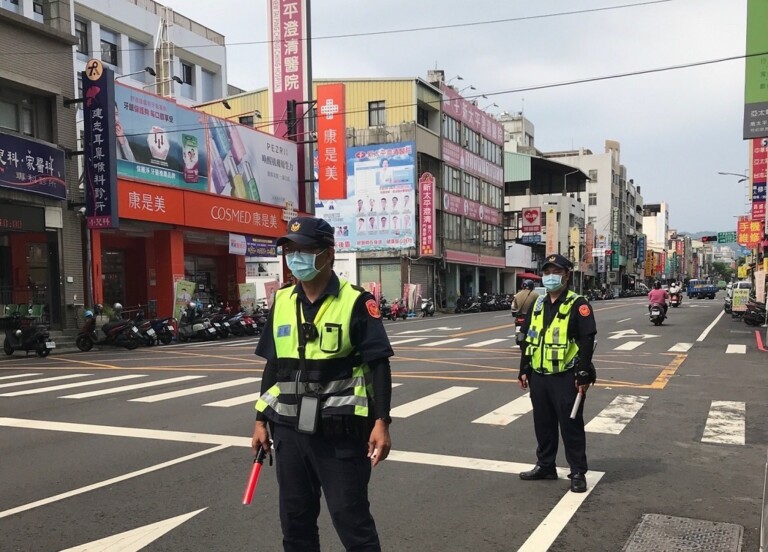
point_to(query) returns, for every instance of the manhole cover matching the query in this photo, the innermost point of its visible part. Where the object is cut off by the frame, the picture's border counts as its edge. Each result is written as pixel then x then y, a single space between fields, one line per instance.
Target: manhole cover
pixel 659 533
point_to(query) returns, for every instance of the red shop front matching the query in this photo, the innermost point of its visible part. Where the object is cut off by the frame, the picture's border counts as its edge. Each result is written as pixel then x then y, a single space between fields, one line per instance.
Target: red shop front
pixel 168 234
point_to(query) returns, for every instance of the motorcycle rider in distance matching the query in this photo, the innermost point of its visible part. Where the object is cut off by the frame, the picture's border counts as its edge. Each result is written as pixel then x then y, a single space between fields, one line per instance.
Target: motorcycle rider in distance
pixel 675 287
pixel 525 298
pixel 658 295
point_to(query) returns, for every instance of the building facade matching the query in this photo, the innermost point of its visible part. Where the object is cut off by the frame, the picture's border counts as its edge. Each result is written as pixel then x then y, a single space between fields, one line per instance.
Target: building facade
pixel 398 130
pixel 40 230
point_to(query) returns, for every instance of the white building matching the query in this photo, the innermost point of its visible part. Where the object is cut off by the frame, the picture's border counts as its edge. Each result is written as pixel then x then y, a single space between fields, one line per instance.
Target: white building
pixel 189 59
pixel 656 224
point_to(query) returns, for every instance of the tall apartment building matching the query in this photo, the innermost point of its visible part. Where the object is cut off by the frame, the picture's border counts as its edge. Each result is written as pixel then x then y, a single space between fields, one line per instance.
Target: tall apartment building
pixel 614 206
pixel 40 231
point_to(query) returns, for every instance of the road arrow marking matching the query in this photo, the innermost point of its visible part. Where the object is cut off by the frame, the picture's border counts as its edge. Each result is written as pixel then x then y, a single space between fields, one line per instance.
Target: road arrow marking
pixel 630 333
pixel 135 539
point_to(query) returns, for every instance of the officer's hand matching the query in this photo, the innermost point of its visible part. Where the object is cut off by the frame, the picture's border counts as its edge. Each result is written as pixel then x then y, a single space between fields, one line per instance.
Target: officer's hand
pixel 379 442
pixel 261 438
pixel 523 380
pixel 582 389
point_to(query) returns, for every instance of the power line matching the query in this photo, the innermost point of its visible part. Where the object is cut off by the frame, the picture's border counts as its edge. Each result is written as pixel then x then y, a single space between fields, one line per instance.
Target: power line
pixel 271 122
pixel 391 31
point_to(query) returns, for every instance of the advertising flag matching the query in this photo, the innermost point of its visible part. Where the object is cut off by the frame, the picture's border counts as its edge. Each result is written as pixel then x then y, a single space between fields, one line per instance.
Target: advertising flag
pixel 331 141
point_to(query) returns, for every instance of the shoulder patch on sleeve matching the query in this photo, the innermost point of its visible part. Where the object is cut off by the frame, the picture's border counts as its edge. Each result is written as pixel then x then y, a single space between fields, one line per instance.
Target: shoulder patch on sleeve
pixel 584 310
pixel 373 308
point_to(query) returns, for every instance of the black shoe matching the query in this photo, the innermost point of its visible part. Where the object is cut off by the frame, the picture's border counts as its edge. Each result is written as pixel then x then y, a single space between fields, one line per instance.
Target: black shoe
pixel 538 473
pixel 578 483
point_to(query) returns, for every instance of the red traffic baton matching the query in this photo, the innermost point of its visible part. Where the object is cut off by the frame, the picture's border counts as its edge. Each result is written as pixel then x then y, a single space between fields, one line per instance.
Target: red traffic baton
pixel 254 478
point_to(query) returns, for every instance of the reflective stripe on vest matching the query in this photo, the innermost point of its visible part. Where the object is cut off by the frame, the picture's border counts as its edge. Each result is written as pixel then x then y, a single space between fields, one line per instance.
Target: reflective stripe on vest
pixel 551 351
pixel 334 371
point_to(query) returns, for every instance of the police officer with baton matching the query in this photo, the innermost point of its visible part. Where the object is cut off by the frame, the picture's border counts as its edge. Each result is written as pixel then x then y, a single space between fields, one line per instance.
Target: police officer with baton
pixel 556 364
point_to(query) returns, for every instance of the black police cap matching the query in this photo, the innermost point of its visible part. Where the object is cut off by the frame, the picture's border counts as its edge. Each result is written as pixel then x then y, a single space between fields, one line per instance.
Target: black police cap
pixel 557 260
pixel 308 231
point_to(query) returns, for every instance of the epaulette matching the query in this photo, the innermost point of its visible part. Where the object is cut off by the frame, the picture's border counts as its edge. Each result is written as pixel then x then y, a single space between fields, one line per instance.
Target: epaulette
pixel 358 288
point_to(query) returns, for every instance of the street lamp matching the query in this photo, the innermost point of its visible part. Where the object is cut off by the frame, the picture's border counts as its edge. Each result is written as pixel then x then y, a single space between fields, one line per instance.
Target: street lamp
pixel 565 179
pixel 743 176
pixel 470 87
pixel 457 77
pixel 173 78
pixel 145 70
pixel 491 105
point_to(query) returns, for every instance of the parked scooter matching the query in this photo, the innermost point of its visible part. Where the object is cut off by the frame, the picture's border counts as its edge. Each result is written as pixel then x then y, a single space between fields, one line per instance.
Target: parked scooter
pixel 398 310
pixel 754 315
pixel 427 307
pixel 22 334
pixel 384 307
pixel 194 325
pixel 119 333
pixel 656 314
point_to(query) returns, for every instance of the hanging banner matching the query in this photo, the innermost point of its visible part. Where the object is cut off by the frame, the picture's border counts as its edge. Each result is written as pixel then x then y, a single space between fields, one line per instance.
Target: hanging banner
pixel 100 145
pixel 589 243
pixel 331 141
pixel 236 244
pixel 574 249
pixel 247 294
pixel 183 291
pixel 427 213
pixel 552 230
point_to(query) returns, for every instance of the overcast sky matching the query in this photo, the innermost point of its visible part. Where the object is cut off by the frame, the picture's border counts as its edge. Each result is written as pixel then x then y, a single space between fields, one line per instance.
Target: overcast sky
pixel 677 129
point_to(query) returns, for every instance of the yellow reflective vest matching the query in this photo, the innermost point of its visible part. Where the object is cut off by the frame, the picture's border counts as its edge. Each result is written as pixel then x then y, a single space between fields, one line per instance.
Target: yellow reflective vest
pixel 550 350
pixel 333 369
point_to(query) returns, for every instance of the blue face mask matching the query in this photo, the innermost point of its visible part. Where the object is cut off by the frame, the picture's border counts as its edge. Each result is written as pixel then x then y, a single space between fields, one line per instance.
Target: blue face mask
pixel 552 282
pixel 302 265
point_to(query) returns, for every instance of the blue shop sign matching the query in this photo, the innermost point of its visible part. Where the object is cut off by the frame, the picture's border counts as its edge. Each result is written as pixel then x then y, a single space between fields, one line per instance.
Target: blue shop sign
pixel 28 165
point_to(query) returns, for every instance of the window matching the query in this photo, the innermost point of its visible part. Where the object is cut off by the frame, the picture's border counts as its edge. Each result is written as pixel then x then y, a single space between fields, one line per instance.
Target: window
pixel 451 180
pixel 593 175
pixel 377 115
pixel 26 114
pixel 37 7
pixel 471 140
pixel 208 85
pixel 491 236
pixel 108 46
pixel 246 120
pixel 422 117
pixel 471 187
pixel 9 115
pixel 451 129
pixel 471 230
pixel 451 227
pixel 186 73
pixel 592 199
pixel 81 32
pixel 592 220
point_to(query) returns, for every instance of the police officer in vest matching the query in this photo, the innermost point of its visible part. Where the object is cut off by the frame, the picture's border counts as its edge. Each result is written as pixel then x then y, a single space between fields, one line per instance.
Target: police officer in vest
pixel 325 394
pixel 556 363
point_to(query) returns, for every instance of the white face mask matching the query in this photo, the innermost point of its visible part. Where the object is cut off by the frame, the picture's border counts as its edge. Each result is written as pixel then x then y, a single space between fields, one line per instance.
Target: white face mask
pixel 552 282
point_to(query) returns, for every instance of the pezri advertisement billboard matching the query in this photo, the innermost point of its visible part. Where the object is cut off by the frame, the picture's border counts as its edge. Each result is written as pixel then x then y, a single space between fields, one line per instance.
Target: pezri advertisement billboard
pixel 379 210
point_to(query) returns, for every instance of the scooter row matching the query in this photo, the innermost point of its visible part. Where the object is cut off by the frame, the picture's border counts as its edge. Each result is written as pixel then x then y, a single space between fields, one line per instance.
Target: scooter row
pixel 25 333
pixel 195 323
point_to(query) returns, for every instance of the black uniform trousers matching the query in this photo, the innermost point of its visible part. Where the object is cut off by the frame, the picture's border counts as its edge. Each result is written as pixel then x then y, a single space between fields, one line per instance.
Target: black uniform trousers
pixel 553 397
pixel 340 467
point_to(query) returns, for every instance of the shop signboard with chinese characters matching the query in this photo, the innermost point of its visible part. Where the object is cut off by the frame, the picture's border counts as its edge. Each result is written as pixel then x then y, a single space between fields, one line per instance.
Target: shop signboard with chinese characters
pixel 28 165
pixel 552 231
pixel 473 210
pixel 379 211
pixel 251 246
pixel 756 78
pixel 427 214
pixel 21 218
pixel 100 145
pixel 749 232
pixel 726 237
pixel 331 141
pixel 161 142
pixel 758 176
pixel 531 219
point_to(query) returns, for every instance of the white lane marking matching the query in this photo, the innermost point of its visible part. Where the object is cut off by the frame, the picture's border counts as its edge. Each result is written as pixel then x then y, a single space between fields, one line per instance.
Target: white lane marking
pixel 680 348
pixel 725 423
pixel 425 403
pixel 441 328
pixel 629 346
pixel 484 343
pixel 241 344
pixel 736 348
pixel 134 539
pixel 71 385
pixel 43 380
pixel 195 390
pixel 623 320
pixel 132 387
pixel 443 342
pixel 411 340
pixel 17 376
pixel 706 331
pixel 396 385
pixel 508 413
pixel 107 482
pixel 541 539
pixel 236 401
pixel 617 415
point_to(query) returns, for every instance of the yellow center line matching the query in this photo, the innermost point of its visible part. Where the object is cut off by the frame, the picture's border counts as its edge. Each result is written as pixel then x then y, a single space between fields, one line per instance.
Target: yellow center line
pixel 662 379
pixel 86 363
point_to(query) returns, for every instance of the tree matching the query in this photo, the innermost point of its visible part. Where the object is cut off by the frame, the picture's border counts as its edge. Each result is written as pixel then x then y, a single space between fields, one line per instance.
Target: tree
pixel 722 270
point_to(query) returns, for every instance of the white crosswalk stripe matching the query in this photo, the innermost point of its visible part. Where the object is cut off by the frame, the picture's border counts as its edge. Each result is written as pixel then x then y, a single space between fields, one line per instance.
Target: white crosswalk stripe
pixel 411 340
pixel 726 423
pixel 17 376
pixel 617 415
pixel 629 346
pixel 43 380
pixel 132 387
pixel 420 405
pixel 508 413
pixel 487 342
pixel 443 342
pixel 37 390
pixel 236 401
pixel 739 349
pixel 680 348
pixel 195 390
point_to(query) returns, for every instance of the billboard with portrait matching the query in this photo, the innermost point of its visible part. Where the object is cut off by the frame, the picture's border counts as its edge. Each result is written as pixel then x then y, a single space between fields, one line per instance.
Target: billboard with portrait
pixel 161 142
pixel 379 211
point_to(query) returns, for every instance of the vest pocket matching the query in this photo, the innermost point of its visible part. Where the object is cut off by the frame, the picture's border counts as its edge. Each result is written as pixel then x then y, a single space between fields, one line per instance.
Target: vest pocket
pixel 555 352
pixel 330 338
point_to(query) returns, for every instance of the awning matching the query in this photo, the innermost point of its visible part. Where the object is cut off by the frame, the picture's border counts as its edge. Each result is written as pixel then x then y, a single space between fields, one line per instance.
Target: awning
pixel 528 275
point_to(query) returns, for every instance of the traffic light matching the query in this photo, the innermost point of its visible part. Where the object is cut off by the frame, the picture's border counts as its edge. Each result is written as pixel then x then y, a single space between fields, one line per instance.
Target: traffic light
pixel 707 239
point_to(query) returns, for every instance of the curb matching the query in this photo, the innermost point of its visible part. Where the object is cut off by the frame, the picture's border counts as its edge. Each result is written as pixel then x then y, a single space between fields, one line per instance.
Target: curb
pixel 760 344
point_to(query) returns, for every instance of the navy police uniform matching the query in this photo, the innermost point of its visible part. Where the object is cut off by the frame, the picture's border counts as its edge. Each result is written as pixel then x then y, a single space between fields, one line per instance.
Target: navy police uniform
pixel 553 388
pixel 333 458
